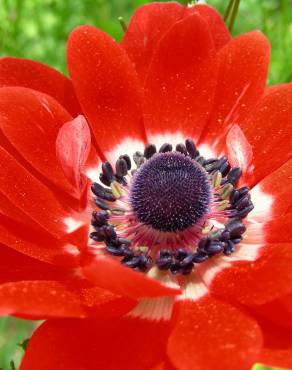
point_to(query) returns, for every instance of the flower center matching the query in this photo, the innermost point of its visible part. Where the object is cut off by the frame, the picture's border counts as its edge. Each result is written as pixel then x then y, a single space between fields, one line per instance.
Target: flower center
pixel 175 210
pixel 170 192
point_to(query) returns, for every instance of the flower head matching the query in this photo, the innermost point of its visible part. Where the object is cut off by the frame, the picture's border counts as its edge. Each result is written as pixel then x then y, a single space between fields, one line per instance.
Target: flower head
pixel 145 202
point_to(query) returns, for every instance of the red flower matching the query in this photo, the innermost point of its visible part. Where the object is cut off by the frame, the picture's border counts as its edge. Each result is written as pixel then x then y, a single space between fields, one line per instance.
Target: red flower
pixel 214 280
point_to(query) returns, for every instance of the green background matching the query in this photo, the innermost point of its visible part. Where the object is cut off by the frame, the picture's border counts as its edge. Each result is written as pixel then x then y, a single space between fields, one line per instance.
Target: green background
pixel 38 29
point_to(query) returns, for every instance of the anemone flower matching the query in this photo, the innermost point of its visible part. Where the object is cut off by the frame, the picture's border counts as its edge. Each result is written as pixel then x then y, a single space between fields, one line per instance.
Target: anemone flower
pixel 146 202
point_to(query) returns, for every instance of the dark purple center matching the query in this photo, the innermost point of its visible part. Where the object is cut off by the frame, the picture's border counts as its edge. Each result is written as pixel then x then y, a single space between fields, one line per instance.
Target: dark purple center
pixel 170 192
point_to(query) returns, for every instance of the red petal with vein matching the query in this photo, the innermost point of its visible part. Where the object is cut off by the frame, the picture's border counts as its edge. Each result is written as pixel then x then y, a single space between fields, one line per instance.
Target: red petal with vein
pixel 73 147
pixel 219 31
pixel 210 334
pixel 148 24
pixel 31 120
pixel 274 231
pixel 113 276
pixel 16 266
pixel 243 66
pixel 27 193
pixel 10 211
pixel 106 85
pixel 270 276
pixel 181 79
pixel 272 196
pixel 40 77
pixel 51 299
pixel 124 344
pixel 37 244
pixel 270 129
pixel 151 21
pixel 239 150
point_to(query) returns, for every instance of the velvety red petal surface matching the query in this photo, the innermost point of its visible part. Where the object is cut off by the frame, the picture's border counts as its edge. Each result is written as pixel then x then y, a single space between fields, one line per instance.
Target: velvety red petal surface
pixel 210 334
pixel 73 146
pixel 151 21
pixel 270 276
pixel 113 276
pixel 219 31
pixel 125 343
pixel 276 358
pixel 37 243
pixel 24 191
pixel 278 312
pixel 7 209
pixel 277 349
pixel 239 152
pixel 106 85
pixel 181 79
pixel 269 130
pixel 40 77
pixel 277 188
pixel 243 67
pixel 166 365
pixel 52 299
pixel 16 266
pixel 147 25
pixel 274 231
pixel 30 121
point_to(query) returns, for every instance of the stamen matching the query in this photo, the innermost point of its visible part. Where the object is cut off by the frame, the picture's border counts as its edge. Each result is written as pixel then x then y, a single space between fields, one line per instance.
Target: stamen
pixel 121 167
pixel 191 148
pixel 149 151
pixel 126 158
pixel 166 211
pixel 165 148
pixel 181 148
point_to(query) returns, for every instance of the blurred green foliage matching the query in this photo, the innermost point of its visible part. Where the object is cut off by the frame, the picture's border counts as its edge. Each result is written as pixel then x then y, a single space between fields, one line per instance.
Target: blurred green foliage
pixel 38 29
pixel 12 334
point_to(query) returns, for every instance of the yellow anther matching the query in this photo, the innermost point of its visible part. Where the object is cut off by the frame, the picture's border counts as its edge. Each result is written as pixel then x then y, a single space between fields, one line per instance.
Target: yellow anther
pixel 216 179
pixel 116 189
pixel 226 191
pixel 223 205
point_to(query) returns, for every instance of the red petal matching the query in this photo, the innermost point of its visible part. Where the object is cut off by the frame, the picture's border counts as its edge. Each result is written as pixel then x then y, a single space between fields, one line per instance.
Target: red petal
pixel 274 231
pixel 254 283
pixel 151 21
pixel 29 195
pixel 124 344
pixel 241 82
pixel 113 276
pixel 277 188
pixel 148 24
pixel 50 299
pixel 239 150
pixel 278 312
pixel 38 76
pixel 280 358
pixel 277 349
pixel 211 334
pixel 36 243
pixel 31 120
pixel 16 266
pixel 181 79
pixel 73 147
pixel 106 85
pixel 7 209
pixel 219 31
pixel 269 131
